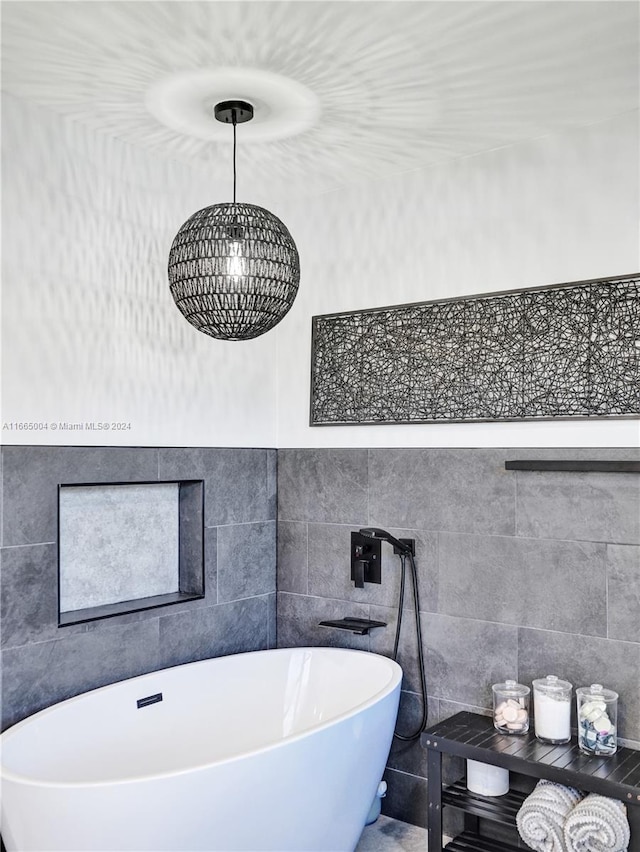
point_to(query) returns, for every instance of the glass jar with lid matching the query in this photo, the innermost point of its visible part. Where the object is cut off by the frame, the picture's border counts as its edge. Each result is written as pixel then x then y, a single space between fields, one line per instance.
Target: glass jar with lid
pixel 597 719
pixel 511 707
pixel 552 709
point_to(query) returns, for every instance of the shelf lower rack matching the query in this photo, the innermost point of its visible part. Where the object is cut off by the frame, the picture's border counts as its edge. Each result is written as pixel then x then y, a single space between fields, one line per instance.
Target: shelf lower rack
pixel 501 809
pixel 470 842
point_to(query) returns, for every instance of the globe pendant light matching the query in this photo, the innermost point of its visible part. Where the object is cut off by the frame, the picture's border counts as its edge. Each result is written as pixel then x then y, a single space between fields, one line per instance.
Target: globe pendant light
pixel 233 268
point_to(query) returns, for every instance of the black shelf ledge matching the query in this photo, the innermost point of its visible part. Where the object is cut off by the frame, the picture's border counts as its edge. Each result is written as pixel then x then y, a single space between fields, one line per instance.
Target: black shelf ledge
pixel 361 626
pixel 575 465
pixel 470 842
pixel 79 616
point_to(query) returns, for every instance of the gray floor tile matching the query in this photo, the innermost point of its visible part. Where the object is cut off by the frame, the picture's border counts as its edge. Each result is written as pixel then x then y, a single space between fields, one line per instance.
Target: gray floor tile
pixel 392 835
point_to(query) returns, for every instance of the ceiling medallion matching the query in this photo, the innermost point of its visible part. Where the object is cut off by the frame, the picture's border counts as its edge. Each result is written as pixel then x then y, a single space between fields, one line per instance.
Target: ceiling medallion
pixel 184 101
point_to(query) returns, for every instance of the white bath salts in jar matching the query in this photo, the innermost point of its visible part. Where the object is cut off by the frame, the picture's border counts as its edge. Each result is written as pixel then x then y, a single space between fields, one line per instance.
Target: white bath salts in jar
pixel 552 709
pixel 511 707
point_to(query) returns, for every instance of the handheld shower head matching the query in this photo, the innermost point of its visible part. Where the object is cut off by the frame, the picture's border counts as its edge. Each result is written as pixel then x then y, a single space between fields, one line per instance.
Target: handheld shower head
pixel 383 535
pixel 404 548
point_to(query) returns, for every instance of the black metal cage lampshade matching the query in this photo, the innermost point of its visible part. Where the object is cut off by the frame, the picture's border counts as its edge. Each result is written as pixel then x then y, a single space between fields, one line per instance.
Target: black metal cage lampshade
pixel 233 271
pixel 234 268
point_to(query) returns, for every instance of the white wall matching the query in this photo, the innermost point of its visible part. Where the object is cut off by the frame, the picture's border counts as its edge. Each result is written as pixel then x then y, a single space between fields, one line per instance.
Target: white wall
pixel 90 331
pixel 557 209
pixel 91 334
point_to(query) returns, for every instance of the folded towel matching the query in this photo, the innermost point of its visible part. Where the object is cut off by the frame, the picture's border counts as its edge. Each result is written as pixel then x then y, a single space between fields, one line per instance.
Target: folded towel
pixel 542 815
pixel 597 824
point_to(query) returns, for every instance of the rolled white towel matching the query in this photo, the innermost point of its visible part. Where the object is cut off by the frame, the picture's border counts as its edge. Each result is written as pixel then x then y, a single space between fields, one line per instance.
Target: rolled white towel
pixel 597 824
pixel 542 815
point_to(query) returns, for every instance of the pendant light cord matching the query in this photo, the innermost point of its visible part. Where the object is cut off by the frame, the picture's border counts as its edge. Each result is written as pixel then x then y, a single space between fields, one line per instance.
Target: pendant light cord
pixel 234 156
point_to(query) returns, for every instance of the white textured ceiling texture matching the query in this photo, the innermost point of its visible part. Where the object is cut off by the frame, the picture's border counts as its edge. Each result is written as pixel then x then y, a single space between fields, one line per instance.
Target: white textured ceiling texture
pixel 344 91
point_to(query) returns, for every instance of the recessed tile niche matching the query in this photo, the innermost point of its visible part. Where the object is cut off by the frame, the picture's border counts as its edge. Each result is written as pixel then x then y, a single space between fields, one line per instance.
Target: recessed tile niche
pixel 124 547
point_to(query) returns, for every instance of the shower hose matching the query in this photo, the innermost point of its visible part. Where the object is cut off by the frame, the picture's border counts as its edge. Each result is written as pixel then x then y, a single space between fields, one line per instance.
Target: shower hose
pixel 409 737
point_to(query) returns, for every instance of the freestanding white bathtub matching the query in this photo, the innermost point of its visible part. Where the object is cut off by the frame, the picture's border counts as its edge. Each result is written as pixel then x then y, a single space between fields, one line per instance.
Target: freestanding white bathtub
pixel 270 750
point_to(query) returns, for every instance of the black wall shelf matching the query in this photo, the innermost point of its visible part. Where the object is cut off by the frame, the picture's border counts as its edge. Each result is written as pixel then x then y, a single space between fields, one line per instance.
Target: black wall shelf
pixel 362 626
pixel 575 465
pixel 80 616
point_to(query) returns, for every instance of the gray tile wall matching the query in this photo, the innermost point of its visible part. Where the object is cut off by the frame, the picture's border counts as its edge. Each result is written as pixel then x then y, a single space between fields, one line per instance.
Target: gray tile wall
pixel 42 663
pixel 521 574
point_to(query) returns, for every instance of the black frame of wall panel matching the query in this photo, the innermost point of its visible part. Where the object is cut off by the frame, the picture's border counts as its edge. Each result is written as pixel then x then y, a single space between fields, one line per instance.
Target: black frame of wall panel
pixel 379 366
pixel 190 560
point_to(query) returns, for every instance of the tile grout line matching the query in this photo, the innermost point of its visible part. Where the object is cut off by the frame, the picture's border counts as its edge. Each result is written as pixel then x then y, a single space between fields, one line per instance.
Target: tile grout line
pixel 606 587
pixel 515 535
pixel 307 561
pixel 217 572
pixel 404 772
pixel 240 524
pixel 467 534
pixel 515 507
pixel 31 544
pixel 369 637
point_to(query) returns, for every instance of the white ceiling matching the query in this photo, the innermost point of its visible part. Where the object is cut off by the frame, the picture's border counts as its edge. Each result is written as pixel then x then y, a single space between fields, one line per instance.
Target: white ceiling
pixel 396 85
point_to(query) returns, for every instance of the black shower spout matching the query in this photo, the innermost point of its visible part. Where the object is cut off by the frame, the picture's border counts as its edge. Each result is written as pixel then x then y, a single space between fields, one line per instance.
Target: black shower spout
pixel 404 546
